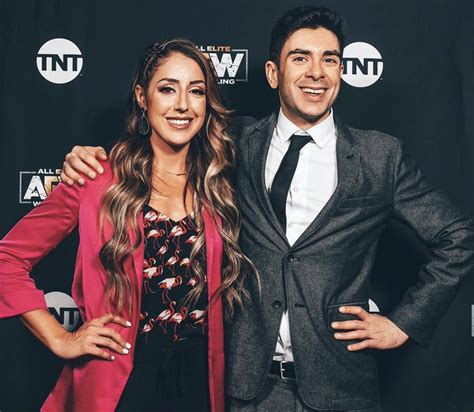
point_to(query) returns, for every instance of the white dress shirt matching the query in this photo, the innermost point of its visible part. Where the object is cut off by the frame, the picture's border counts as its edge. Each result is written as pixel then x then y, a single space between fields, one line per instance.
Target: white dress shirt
pixel 313 183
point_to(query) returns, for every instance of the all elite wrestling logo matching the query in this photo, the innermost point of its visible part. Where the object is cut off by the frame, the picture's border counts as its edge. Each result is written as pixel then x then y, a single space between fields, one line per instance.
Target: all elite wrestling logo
pixel 59 61
pixel 231 65
pixel 363 64
pixel 36 186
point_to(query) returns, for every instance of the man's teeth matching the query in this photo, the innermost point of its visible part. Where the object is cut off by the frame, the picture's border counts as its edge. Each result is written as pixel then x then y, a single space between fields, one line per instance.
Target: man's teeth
pixel 313 91
pixel 179 122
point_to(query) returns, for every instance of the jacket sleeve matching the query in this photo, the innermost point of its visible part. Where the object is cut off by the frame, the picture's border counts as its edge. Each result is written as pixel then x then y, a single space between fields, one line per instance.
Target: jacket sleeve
pixel 449 235
pixel 31 239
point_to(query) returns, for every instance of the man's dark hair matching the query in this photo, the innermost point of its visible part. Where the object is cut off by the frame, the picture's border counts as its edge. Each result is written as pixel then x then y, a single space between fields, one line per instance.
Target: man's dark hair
pixel 304 17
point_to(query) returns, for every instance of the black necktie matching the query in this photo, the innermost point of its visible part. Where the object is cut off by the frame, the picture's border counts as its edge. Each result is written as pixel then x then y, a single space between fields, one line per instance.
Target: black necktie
pixel 284 176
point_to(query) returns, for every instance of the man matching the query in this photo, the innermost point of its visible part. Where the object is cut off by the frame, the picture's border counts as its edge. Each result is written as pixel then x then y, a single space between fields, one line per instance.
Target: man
pixel 315 196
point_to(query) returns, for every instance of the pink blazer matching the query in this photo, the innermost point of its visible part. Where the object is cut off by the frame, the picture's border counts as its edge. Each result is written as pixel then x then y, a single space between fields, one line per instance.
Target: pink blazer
pixel 92 384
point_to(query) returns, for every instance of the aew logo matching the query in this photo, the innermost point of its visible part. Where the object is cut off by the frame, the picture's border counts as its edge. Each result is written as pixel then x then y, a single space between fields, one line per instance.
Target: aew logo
pixel 231 65
pixel 64 309
pixel 363 64
pixel 36 186
pixel 59 61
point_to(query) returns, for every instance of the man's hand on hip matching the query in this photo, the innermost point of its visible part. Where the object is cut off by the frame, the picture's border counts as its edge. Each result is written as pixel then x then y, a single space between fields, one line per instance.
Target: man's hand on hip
pixel 373 331
pixel 80 161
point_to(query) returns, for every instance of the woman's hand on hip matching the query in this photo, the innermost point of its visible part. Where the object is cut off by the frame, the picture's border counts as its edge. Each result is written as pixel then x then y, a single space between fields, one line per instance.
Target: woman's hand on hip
pixel 93 338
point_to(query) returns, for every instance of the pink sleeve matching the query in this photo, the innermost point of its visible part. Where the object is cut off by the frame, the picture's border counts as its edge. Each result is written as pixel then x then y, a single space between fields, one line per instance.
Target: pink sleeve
pixel 30 240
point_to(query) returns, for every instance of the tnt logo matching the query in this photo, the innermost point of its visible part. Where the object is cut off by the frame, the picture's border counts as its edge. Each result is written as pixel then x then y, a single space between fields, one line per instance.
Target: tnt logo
pixel 64 309
pixel 36 186
pixel 231 65
pixel 59 61
pixel 363 64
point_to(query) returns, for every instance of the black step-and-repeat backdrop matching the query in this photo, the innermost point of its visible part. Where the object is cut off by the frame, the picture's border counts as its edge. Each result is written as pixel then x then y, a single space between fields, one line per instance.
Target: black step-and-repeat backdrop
pixel 65 69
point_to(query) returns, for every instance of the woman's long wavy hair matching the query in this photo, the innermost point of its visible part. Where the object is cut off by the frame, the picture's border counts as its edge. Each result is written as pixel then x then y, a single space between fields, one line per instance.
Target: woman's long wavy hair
pixel 210 167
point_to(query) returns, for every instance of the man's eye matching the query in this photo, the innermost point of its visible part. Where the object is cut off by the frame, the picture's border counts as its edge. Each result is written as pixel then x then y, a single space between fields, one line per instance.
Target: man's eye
pixel 299 59
pixel 331 60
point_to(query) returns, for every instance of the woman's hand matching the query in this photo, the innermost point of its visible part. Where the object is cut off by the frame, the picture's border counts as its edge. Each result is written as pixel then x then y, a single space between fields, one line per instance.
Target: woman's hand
pixel 93 338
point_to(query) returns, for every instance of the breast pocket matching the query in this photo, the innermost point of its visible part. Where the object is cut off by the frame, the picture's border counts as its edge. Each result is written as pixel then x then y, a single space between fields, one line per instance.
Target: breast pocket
pixel 363 202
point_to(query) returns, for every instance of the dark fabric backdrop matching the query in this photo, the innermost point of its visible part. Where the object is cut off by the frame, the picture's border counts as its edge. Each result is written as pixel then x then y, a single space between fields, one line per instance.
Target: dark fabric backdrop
pixel 425 96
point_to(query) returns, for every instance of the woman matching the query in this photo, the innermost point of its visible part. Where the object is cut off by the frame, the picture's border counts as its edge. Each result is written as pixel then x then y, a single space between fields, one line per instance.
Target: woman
pixel 158 260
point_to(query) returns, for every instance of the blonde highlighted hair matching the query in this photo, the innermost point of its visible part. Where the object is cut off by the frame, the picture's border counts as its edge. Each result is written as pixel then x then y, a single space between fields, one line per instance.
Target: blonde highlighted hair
pixel 210 167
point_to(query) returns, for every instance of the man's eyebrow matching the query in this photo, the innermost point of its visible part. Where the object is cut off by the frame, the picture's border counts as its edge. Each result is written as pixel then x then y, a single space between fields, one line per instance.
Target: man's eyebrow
pixel 307 52
pixel 298 51
pixel 332 53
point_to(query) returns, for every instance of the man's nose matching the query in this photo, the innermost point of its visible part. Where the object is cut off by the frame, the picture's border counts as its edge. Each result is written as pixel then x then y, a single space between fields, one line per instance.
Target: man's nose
pixel 316 69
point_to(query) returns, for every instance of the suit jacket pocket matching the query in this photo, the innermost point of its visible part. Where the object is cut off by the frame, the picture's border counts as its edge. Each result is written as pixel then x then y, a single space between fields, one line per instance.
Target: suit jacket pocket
pixel 335 316
pixel 362 202
pixel 357 369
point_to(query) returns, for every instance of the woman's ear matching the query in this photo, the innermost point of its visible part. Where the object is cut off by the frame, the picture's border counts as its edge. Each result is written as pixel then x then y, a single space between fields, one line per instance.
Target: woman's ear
pixel 140 96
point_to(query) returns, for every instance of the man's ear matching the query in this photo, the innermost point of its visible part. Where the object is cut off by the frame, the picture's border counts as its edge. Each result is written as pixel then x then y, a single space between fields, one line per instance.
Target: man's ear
pixel 271 71
pixel 140 96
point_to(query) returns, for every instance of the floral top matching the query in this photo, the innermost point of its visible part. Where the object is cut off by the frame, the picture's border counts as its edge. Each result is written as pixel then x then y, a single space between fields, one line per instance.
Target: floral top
pixel 166 315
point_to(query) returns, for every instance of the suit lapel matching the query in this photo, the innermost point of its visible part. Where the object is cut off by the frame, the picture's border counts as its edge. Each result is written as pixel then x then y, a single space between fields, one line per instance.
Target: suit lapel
pixel 347 166
pixel 259 143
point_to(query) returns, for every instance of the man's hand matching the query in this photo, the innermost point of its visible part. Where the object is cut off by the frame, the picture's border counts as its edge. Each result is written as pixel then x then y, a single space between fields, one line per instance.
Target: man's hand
pixel 373 331
pixel 82 159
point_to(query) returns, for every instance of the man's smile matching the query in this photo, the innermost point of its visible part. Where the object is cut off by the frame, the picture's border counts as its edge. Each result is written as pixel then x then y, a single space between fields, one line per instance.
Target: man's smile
pixel 313 90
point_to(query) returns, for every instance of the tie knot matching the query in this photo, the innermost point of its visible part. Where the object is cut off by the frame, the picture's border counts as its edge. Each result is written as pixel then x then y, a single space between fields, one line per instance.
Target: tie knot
pixel 298 141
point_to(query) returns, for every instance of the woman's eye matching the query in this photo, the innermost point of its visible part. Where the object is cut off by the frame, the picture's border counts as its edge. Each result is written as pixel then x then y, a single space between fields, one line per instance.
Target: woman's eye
pixel 166 89
pixel 199 92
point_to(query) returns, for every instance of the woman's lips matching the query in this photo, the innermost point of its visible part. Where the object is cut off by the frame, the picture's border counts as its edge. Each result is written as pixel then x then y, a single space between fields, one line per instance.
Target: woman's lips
pixel 179 123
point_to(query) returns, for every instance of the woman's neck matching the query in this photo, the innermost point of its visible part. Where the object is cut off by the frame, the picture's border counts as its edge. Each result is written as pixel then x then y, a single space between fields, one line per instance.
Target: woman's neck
pixel 169 159
pixel 170 193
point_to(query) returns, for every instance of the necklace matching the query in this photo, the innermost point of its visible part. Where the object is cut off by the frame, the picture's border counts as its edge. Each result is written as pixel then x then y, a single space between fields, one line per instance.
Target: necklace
pixel 171 173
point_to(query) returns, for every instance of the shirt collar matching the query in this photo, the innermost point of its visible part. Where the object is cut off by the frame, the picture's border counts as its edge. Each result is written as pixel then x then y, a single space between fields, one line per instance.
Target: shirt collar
pixel 321 133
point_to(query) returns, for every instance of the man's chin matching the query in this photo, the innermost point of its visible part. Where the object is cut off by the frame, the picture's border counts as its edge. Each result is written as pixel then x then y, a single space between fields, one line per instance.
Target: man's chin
pixel 314 117
pixel 306 118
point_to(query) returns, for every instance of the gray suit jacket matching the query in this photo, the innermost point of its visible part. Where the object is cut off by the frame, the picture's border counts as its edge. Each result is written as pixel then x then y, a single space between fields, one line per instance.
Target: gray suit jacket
pixel 330 264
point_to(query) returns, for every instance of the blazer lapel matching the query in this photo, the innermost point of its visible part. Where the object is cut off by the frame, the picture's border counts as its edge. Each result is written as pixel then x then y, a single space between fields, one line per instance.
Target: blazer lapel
pixel 347 166
pixel 259 144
